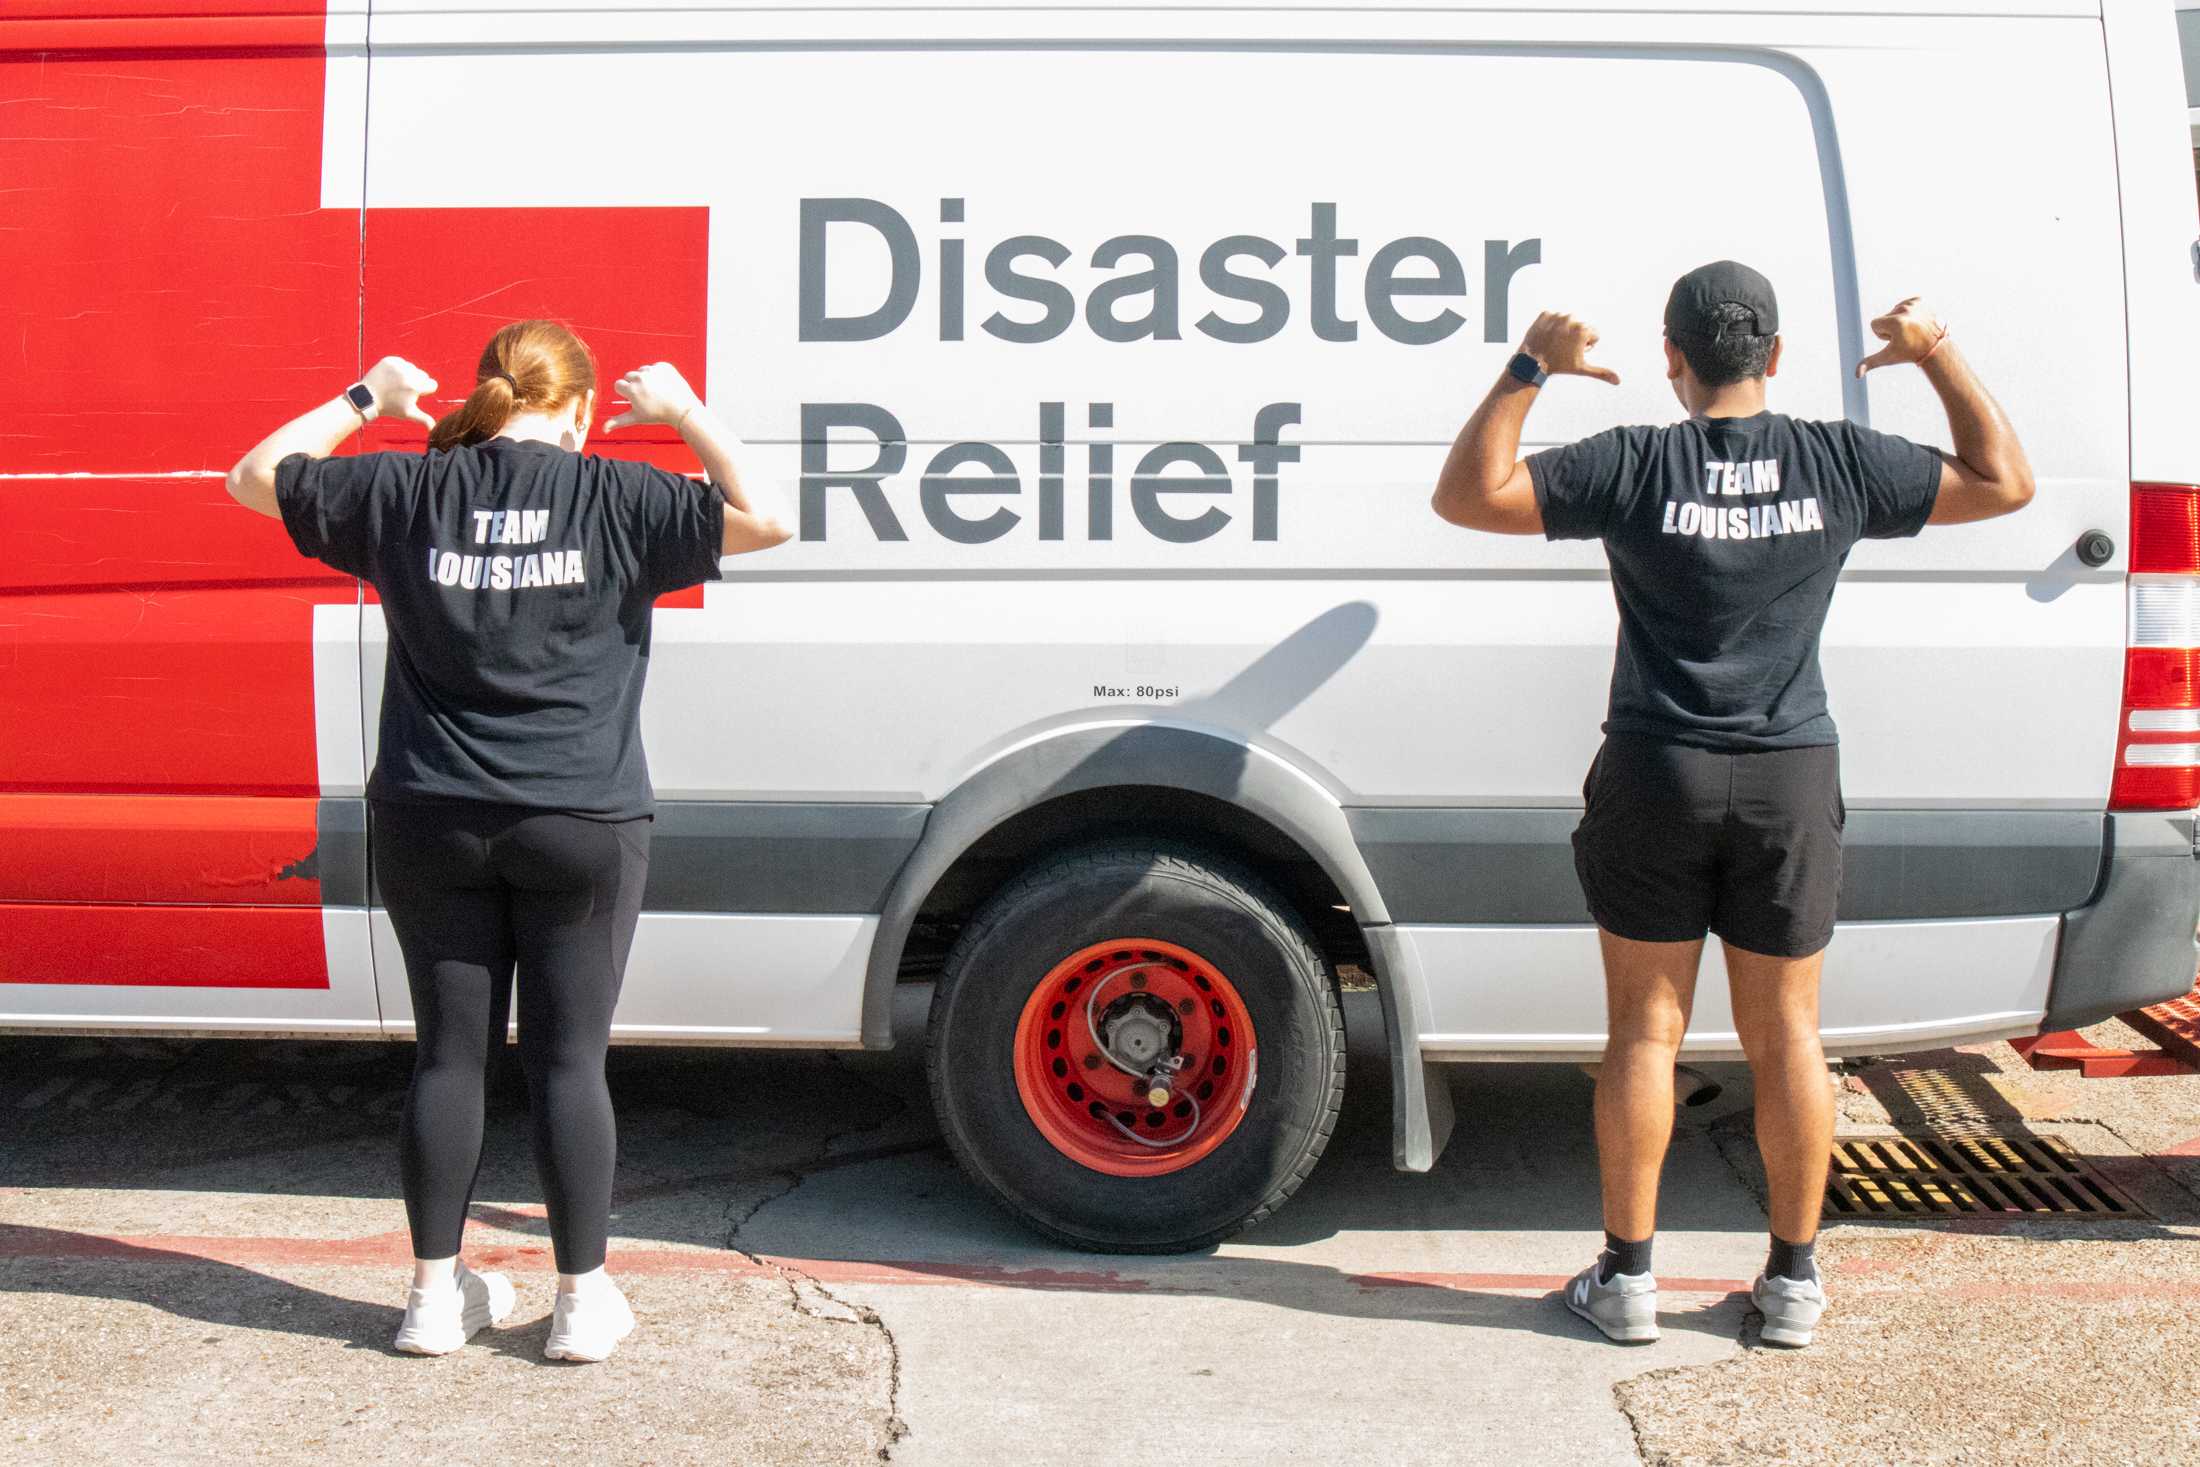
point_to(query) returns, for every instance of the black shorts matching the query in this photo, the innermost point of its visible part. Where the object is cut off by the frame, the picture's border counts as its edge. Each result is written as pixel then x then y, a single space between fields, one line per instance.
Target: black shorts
pixel 1677 841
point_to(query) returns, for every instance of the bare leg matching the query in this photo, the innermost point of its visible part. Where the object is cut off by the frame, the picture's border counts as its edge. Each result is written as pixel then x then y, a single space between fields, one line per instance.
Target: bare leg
pixel 1648 988
pixel 1776 1013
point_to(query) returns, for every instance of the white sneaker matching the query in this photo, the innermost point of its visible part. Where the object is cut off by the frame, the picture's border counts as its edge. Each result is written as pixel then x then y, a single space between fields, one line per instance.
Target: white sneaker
pixel 438 1320
pixel 1625 1308
pixel 1791 1308
pixel 588 1326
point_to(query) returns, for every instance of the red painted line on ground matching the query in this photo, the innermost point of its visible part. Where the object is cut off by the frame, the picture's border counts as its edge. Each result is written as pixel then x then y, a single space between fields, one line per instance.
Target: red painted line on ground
pixel 1529 1282
pixel 393 1250
pixel 19 1241
pixel 2182 1148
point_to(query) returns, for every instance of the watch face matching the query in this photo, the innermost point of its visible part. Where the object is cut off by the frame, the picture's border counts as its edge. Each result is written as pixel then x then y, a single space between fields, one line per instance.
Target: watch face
pixel 1526 369
pixel 360 395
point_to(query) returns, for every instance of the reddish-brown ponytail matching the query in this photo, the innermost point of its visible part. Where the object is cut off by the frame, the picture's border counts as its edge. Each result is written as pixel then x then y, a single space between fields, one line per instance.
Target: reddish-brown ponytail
pixel 529 366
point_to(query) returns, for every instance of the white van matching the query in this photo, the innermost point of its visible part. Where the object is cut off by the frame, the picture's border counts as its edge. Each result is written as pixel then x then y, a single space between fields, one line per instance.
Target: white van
pixel 1120 679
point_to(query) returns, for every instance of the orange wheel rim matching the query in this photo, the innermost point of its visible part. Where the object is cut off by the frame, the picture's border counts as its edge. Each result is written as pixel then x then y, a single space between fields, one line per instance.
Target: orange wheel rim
pixel 1112 1025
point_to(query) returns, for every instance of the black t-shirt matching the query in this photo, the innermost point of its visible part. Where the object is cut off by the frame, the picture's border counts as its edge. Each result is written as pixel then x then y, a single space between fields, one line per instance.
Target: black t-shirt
pixel 1726 536
pixel 516 579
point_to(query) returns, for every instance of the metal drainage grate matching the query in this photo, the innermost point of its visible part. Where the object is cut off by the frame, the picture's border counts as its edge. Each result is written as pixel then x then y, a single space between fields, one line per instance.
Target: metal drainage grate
pixel 1946 1104
pixel 1966 1173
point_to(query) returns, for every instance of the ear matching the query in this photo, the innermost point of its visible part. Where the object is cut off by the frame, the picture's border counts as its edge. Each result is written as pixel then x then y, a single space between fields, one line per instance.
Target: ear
pixel 1772 363
pixel 1675 363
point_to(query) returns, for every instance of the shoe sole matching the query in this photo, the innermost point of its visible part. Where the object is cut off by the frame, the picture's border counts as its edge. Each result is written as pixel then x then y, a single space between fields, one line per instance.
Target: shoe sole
pixel 418 1346
pixel 1781 1333
pixel 583 1357
pixel 552 1350
pixel 1633 1334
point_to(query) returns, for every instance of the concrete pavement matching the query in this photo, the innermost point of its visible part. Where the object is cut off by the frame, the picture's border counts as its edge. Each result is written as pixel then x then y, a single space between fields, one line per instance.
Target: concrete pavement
pixel 202 1250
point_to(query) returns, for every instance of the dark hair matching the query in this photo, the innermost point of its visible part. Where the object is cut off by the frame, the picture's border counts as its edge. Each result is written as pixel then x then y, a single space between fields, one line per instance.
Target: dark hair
pixel 1732 355
pixel 529 365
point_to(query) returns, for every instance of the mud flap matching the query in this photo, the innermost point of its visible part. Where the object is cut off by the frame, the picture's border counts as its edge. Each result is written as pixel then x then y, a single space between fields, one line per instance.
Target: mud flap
pixel 1421 1113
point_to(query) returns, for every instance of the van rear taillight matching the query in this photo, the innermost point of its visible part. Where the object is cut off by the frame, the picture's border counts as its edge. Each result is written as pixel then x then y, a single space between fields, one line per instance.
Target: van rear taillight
pixel 2165 530
pixel 2158 736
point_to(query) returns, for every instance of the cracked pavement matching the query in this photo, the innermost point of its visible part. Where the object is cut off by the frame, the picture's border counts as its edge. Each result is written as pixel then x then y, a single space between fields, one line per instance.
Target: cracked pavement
pixel 202 1258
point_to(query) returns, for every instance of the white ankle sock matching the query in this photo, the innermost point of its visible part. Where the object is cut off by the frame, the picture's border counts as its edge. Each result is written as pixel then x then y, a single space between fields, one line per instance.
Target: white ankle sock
pixel 435 1273
pixel 586 1285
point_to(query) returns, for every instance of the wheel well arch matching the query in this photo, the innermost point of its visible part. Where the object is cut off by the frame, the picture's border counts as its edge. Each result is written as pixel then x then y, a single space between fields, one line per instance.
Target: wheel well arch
pixel 1099 759
pixel 1273 800
pixel 1150 812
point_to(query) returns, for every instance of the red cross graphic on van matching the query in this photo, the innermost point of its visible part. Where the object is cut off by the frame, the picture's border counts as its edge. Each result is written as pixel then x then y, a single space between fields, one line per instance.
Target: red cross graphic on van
pixel 175 291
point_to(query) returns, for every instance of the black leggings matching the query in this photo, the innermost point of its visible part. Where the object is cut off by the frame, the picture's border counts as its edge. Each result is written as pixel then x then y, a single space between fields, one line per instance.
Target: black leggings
pixel 474 890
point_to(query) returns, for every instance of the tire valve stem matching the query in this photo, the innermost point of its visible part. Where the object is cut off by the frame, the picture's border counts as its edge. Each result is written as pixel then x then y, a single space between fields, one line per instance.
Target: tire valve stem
pixel 1161 1081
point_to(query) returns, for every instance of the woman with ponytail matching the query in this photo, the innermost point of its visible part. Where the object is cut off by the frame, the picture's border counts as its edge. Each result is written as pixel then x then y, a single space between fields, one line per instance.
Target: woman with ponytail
pixel 511 801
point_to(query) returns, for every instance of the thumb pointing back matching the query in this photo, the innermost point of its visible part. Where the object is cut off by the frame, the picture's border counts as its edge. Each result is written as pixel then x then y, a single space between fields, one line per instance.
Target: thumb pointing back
pixel 1886 356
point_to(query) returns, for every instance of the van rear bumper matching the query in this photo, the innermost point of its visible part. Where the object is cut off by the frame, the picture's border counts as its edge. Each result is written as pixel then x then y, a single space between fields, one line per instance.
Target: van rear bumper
pixel 2133 944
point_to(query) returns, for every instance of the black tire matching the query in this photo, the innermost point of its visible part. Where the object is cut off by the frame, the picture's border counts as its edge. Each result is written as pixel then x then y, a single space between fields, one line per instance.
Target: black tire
pixel 1119 890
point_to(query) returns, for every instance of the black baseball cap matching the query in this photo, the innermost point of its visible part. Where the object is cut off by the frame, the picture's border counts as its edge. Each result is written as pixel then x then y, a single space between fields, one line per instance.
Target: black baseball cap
pixel 1690 311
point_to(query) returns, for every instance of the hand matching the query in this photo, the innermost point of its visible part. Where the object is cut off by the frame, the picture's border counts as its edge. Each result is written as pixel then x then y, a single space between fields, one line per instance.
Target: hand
pixel 398 386
pixel 1910 331
pixel 656 393
pixel 1562 345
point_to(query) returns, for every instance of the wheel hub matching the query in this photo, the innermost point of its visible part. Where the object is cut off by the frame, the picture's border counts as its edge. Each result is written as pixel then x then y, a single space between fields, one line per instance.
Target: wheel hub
pixel 1138 1032
pixel 1135 1057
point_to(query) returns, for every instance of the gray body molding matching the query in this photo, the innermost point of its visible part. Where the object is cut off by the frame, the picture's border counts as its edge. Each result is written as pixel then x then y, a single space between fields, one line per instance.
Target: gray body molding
pixel 1168 757
pixel 2133 944
pixel 779 857
pixel 782 857
pixel 1473 865
pixel 340 852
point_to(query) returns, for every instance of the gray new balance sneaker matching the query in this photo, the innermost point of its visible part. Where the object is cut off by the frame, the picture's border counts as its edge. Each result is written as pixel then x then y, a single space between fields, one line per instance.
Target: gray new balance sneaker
pixel 1626 1308
pixel 1791 1308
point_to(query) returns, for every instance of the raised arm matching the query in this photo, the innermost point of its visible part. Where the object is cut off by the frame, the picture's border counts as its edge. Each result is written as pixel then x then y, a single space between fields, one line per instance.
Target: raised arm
pixel 397 386
pixel 658 393
pixel 1484 485
pixel 1988 474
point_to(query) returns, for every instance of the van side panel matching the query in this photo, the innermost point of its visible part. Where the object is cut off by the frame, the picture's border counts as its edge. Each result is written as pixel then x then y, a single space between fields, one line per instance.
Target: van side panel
pixel 1133 415
pixel 1130 416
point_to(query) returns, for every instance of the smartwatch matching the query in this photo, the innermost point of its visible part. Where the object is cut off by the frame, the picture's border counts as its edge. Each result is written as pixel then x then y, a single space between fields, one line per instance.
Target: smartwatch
pixel 361 398
pixel 1526 370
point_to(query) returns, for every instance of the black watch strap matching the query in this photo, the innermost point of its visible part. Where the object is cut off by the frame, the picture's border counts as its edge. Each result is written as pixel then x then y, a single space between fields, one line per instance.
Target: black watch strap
pixel 361 398
pixel 1526 370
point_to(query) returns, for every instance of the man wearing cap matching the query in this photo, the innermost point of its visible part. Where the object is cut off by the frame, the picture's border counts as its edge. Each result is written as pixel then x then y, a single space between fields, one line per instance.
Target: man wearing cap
pixel 1714 805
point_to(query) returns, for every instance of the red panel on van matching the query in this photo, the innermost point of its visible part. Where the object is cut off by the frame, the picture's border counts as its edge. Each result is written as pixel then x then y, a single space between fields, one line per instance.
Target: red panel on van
pixel 166 947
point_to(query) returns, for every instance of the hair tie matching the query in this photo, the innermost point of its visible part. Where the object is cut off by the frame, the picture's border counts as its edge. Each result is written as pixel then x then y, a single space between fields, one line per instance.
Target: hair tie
pixel 507 378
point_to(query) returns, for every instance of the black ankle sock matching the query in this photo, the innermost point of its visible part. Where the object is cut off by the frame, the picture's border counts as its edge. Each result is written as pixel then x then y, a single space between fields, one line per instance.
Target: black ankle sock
pixel 1623 1257
pixel 1792 1260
